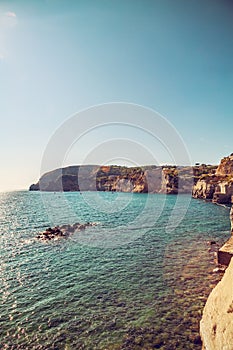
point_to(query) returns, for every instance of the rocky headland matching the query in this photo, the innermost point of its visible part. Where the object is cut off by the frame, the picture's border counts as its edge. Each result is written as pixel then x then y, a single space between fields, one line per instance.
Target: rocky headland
pixel 153 179
pixel 209 182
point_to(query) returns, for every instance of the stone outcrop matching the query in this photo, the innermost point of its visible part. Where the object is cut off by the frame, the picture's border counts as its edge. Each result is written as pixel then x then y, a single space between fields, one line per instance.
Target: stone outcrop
pixel 225 253
pixel 225 167
pixel 216 327
pixel 223 191
pixel 218 186
pixel 58 232
pixel 34 187
pixel 204 188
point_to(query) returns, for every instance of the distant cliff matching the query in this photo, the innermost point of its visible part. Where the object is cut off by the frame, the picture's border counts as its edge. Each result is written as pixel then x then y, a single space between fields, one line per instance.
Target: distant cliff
pixel 152 179
pixel 209 182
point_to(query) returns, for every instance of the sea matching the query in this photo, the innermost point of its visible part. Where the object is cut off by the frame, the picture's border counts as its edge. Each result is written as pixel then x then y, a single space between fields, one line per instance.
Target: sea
pixel 138 279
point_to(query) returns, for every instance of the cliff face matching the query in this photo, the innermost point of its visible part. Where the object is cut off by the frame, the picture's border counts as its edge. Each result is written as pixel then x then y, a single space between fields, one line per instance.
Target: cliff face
pixel 217 186
pixel 152 179
pixel 225 167
pixel 206 181
pixel 216 326
pixel 93 178
pixel 204 188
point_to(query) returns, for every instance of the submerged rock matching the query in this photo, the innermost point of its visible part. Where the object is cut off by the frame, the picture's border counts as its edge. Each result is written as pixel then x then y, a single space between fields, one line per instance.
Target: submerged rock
pixel 63 231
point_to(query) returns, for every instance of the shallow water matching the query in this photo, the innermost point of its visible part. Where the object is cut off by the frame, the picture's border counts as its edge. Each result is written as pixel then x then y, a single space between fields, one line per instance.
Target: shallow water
pixel 128 283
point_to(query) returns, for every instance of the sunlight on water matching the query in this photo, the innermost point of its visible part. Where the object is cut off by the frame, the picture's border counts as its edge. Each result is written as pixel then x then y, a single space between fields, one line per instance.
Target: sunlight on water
pixel 73 294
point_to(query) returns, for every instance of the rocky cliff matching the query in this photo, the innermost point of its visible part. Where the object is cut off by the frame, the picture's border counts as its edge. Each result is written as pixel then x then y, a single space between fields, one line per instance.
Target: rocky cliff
pixel 153 179
pixel 225 167
pixel 97 178
pixel 206 181
pixel 216 186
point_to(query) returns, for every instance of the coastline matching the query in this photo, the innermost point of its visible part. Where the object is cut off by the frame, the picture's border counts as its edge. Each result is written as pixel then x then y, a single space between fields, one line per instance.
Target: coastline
pixel 209 183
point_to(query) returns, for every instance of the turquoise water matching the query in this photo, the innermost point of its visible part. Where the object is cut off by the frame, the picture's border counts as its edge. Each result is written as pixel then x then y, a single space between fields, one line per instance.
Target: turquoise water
pixel 130 282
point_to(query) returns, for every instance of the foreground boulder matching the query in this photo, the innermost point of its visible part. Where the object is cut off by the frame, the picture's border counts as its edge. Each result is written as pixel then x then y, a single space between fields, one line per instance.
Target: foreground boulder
pixel 216 327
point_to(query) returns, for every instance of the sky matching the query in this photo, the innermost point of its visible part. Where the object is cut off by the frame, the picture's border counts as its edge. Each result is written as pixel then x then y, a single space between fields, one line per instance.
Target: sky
pixel 59 57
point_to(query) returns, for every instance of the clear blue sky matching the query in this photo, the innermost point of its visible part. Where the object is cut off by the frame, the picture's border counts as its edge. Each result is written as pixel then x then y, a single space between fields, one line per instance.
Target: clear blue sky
pixel 60 56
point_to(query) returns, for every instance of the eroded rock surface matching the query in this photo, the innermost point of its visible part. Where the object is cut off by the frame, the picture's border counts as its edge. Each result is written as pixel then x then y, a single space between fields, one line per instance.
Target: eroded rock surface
pixel 218 186
pixel 216 326
pixel 226 166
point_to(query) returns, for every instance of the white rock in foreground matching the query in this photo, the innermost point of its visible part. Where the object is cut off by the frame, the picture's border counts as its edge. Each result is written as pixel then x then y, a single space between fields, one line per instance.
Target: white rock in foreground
pixel 216 327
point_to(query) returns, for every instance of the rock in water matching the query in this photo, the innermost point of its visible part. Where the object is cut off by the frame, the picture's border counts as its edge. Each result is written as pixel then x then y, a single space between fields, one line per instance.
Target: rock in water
pixel 62 231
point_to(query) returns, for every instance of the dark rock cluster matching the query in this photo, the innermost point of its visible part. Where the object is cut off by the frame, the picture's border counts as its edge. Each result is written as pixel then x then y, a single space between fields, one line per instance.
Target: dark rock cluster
pixel 62 231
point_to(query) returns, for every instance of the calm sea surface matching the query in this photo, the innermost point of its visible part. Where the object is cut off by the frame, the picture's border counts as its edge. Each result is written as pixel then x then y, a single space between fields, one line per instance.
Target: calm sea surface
pixel 133 281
